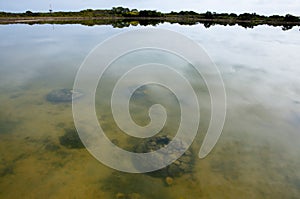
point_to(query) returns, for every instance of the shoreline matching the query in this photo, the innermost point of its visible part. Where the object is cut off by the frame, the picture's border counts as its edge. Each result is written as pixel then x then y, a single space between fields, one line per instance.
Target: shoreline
pixel 123 17
pixel 173 19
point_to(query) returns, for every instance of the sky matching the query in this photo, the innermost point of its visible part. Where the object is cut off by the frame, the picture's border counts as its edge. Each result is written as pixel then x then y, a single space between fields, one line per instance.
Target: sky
pixel 265 7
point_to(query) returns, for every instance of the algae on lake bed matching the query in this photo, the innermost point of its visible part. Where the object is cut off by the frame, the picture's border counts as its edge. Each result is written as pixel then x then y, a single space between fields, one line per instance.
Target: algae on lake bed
pixel 138 185
pixel 7 125
pixel 71 139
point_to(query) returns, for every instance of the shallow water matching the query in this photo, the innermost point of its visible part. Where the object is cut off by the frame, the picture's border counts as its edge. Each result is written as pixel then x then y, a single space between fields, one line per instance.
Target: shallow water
pixel 257 155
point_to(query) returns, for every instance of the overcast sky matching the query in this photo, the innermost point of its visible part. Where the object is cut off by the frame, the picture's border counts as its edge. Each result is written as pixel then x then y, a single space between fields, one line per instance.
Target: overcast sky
pixel 267 7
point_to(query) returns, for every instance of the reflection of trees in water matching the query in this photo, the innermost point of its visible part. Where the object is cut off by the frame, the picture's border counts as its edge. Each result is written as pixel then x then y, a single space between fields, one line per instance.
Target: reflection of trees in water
pixel 247 25
pixel 207 24
pixel 142 22
pixel 123 23
pixel 120 24
pixel 287 27
pixel 152 22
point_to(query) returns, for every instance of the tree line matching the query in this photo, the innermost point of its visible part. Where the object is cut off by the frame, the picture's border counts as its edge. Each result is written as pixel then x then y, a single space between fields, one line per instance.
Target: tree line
pixel 123 17
pixel 126 12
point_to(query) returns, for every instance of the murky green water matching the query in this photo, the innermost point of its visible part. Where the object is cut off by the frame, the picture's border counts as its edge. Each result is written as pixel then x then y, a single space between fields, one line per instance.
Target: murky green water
pixel 257 155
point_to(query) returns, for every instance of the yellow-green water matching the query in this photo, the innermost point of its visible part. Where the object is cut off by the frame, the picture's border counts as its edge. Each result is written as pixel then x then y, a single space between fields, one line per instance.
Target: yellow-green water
pixel 257 155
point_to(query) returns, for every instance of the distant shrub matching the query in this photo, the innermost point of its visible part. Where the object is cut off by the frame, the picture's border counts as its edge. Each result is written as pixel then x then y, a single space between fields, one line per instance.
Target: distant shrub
pixel 150 13
pixel 208 15
pixel 291 18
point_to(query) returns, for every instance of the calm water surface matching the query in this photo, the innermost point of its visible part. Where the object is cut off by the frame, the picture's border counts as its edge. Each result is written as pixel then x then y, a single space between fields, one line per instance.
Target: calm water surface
pixel 257 155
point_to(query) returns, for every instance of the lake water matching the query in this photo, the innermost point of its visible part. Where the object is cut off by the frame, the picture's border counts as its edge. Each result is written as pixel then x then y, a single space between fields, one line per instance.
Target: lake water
pixel 257 155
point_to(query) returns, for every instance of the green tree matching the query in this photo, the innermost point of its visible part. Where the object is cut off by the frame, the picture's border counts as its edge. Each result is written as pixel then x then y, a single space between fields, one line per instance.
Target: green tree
pixel 291 18
pixel 208 15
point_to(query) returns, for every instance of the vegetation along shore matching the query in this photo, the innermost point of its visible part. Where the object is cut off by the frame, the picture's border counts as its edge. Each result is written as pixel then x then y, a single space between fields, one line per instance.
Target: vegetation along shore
pixel 124 17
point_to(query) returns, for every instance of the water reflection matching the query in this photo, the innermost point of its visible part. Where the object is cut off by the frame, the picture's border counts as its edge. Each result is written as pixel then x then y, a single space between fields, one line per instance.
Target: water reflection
pixel 257 155
pixel 207 24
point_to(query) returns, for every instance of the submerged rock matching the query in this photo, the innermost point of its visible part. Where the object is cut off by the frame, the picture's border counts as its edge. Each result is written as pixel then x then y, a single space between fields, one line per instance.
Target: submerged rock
pixel 182 165
pixel 62 95
pixel 120 196
pixel 169 181
pixel 71 139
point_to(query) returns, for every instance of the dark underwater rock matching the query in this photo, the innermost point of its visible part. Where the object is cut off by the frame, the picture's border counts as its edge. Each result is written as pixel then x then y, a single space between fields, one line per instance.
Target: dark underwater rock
pixel 62 95
pixel 182 165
